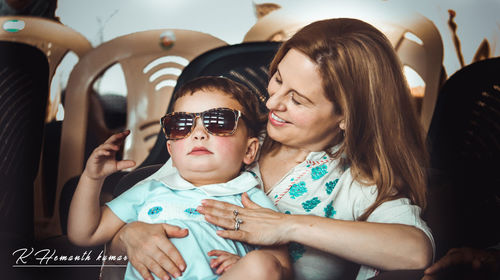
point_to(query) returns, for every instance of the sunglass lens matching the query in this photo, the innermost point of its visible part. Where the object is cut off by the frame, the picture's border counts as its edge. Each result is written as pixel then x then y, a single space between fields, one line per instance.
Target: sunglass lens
pixel 220 121
pixel 177 126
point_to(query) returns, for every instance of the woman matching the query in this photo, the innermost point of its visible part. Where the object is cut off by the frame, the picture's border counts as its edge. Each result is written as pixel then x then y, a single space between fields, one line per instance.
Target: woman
pixel 344 147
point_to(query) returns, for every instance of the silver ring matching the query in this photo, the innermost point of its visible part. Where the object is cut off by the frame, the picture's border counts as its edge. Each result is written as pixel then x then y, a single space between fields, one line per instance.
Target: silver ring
pixel 235 213
pixel 237 222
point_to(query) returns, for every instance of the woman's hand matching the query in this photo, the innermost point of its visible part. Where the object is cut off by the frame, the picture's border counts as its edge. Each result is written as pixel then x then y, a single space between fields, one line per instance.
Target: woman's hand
pixel 224 260
pixel 149 249
pixel 102 161
pixel 260 226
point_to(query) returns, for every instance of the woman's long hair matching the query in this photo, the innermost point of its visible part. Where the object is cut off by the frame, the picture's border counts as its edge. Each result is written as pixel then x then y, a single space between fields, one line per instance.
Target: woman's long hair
pixel 362 76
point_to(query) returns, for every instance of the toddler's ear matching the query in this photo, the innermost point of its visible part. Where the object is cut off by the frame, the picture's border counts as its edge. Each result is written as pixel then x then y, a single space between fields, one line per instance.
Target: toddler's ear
pixel 251 152
pixel 169 149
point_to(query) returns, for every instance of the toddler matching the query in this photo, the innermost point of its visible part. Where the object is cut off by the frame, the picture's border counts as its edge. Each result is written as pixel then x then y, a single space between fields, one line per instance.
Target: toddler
pixel 211 136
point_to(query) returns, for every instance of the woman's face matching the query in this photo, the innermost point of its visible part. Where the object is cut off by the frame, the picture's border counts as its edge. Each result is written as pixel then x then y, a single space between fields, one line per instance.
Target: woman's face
pixel 300 115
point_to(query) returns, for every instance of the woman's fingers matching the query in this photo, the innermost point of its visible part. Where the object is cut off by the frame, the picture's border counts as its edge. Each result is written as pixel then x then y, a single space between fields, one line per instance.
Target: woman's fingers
pixel 175 231
pixel 238 235
pixel 247 203
pixel 163 264
pixel 170 260
pixel 257 225
pixel 226 210
pixel 148 246
pixel 147 262
pixel 220 207
pixel 170 250
pixel 226 221
pixel 142 270
pixel 219 213
pixel 146 265
pixel 159 271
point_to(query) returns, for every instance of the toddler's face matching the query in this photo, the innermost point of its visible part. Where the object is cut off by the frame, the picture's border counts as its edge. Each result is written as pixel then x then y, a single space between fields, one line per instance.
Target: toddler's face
pixel 203 158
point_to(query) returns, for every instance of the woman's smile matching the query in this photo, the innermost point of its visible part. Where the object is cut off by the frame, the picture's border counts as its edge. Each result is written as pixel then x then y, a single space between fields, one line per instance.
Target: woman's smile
pixel 275 120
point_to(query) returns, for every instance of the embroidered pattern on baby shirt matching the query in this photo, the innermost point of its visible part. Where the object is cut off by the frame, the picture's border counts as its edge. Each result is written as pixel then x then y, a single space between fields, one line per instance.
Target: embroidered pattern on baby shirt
pixel 154 212
pixel 159 212
pixel 191 211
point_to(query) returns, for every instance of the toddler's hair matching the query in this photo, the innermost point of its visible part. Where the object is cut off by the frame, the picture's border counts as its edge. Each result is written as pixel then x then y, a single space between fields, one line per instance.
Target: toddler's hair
pixel 245 97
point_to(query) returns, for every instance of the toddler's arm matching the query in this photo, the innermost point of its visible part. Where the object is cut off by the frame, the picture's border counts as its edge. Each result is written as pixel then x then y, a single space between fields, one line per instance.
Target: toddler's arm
pixel 88 224
pixel 271 262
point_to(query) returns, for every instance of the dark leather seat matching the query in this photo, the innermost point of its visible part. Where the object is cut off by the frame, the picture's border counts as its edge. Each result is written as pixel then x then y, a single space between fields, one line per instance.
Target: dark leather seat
pixel 464 139
pixel 24 80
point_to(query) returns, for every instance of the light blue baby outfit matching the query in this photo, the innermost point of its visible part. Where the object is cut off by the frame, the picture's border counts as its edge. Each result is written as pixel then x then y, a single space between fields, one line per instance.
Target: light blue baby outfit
pixel 173 200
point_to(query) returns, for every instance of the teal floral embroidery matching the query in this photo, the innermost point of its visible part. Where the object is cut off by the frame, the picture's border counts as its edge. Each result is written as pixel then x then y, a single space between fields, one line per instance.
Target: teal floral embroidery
pixel 298 189
pixel 288 212
pixel 191 211
pixel 318 172
pixel 310 204
pixel 153 212
pixel 329 210
pixel 296 251
pixel 331 185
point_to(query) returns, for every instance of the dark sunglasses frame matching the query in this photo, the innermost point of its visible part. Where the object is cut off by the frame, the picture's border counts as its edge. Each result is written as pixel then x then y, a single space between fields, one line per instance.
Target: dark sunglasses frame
pixel 206 125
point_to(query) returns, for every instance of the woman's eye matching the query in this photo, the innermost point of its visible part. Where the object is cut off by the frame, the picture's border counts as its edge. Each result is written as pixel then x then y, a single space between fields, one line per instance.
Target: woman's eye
pixel 294 101
pixel 277 79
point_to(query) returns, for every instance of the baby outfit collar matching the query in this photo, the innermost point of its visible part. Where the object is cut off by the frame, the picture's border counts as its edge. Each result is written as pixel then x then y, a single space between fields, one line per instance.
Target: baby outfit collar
pixel 172 179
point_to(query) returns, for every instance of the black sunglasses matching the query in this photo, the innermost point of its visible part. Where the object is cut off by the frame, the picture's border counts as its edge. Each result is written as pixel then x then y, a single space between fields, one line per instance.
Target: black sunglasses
pixel 218 121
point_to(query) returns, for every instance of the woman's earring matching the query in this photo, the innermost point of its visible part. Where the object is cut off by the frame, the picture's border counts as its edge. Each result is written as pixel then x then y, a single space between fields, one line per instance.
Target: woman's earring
pixel 342 124
pixel 342 127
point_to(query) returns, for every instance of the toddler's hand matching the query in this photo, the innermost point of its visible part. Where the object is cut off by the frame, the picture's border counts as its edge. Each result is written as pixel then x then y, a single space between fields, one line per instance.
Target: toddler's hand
pixel 223 262
pixel 102 161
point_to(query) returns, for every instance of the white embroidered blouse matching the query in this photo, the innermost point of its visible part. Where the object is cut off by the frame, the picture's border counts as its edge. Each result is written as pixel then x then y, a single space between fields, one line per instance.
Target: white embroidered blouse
pixel 320 186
